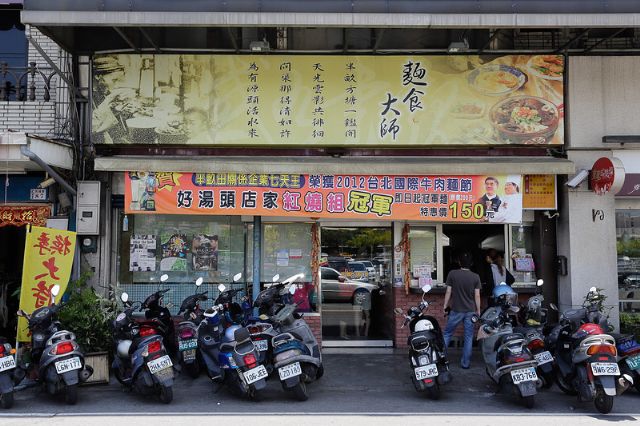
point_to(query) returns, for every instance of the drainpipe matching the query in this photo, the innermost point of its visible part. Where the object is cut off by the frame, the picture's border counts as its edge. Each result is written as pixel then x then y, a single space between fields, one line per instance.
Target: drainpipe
pixel 257 258
pixel 39 161
pixel 75 272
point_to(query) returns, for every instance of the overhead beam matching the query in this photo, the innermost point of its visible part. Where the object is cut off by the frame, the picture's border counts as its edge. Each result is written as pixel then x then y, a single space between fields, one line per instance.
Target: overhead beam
pixel 232 36
pixel 378 39
pixel 147 37
pixel 573 40
pixel 488 43
pixel 127 39
pixel 599 42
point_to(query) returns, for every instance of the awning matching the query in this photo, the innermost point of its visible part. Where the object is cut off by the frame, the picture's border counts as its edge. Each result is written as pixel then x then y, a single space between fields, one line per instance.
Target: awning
pixel 13 161
pixel 342 165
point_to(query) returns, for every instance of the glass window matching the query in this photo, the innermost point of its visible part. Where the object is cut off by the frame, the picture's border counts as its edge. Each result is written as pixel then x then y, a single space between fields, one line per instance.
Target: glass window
pixel 422 242
pixel 628 248
pixel 13 46
pixel 184 248
pixel 286 251
pixel 522 255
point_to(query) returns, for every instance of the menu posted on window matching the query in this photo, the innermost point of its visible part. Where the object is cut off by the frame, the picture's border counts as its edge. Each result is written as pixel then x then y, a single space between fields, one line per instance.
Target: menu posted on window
pixel 444 198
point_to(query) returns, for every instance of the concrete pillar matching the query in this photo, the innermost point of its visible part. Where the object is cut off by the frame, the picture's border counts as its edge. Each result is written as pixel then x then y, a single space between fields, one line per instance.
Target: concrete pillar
pixel 587 237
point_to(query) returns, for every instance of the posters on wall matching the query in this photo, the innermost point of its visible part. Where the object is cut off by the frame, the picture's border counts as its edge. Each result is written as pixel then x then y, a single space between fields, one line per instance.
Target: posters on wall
pixel 204 251
pixel 443 198
pixel 142 253
pixel 174 253
pixel 346 100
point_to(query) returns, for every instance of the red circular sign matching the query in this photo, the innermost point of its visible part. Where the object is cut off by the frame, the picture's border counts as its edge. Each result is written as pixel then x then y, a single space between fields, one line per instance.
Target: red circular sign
pixel 603 174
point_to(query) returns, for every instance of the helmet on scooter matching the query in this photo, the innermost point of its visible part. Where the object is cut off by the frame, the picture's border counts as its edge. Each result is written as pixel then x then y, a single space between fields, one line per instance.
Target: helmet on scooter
pixel 423 325
pixel 503 294
pixel 123 348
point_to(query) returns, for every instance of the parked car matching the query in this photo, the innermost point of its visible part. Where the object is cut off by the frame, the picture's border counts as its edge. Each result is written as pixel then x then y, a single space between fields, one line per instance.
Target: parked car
pixel 371 268
pixel 338 288
pixel 357 271
pixel 338 263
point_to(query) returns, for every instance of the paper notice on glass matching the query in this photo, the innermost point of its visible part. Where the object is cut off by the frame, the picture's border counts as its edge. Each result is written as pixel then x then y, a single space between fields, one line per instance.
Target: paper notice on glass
pixel 295 254
pixel 142 253
pixel 423 272
pixel 282 257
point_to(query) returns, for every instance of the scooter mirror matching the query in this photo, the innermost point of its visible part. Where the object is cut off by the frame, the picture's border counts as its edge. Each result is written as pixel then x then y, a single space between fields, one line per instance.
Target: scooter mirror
pixel 398 311
pixel 199 281
pixel 124 297
pixel 540 282
pixel 275 278
pixel 221 288
pixel 292 289
pixel 237 277
pixel 55 290
pixel 593 290
pixel 553 306
pixel 164 277
pixel 426 288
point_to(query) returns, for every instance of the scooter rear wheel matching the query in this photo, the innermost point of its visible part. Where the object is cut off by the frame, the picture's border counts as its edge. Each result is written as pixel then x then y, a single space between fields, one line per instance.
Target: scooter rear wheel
pixel 71 394
pixel 547 380
pixel 529 401
pixel 603 402
pixel 6 399
pixel 193 370
pixel 320 373
pixel 300 391
pixel 166 394
pixel 433 392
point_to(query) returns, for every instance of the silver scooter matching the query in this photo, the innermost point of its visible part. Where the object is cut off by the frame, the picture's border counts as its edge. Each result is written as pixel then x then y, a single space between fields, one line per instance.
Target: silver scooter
pixel 508 360
pixel 60 362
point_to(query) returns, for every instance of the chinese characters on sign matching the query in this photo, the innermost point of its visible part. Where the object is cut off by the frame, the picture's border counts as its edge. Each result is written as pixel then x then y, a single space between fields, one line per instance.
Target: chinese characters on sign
pixel 539 192
pixel 48 258
pixel 328 100
pixel 436 198
pixel 20 216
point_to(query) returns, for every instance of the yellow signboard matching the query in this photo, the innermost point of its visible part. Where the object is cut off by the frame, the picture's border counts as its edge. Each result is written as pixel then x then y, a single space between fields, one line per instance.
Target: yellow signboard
pixel 248 100
pixel 539 192
pixel 48 258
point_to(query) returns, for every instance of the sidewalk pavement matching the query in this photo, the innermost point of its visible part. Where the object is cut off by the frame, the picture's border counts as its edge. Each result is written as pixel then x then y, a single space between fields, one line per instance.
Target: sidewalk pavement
pixel 374 382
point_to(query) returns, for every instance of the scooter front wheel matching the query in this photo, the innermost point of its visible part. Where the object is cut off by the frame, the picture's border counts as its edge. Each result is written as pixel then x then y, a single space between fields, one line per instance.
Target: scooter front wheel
pixel 603 402
pixel 6 399
pixel 71 394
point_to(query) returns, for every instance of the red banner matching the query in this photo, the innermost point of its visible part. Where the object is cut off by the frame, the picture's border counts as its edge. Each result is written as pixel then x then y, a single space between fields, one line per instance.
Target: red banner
pixel 21 215
pixel 433 198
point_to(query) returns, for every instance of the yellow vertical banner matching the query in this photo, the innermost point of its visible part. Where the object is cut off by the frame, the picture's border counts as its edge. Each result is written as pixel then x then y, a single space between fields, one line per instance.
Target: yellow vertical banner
pixel 48 259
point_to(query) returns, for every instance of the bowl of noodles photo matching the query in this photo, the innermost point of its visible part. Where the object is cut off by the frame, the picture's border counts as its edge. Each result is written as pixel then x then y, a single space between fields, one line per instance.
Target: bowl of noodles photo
pixel 548 67
pixel 524 120
pixel 496 80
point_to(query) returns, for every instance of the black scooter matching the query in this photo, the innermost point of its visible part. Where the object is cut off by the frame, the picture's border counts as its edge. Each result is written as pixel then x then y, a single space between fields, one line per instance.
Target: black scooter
pixel 188 331
pixel 426 349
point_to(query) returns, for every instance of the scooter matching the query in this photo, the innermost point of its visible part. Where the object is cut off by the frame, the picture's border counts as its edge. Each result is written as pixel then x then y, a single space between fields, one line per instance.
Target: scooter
pixel 533 318
pixel 296 354
pixel 160 317
pixel 508 360
pixel 586 356
pixel 238 359
pixel 10 374
pixel 60 361
pixel 188 331
pixel 141 362
pixel 629 357
pixel 426 349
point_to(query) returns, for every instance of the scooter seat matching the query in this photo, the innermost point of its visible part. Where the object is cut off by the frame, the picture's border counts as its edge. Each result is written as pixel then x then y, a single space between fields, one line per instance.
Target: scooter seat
pixel 507 338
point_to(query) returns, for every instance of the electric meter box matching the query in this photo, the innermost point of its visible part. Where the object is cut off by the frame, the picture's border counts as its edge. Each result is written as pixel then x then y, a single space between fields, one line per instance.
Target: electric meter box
pixel 88 208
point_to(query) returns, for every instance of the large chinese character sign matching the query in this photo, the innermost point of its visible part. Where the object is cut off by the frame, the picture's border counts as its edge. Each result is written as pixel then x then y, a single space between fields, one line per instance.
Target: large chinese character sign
pixel 48 258
pixel 445 198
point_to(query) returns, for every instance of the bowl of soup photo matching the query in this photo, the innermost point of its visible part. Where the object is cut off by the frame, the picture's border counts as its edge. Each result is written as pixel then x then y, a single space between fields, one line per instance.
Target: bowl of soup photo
pixel 496 80
pixel 524 120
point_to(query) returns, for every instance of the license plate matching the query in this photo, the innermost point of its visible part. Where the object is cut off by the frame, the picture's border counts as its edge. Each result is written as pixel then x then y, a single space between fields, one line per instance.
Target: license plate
pixel 605 369
pixel 633 362
pixel 290 370
pixel 544 357
pixel 68 365
pixel 159 364
pixel 185 345
pixel 426 371
pixel 255 374
pixel 261 345
pixel 524 375
pixel 7 363
pixel 189 354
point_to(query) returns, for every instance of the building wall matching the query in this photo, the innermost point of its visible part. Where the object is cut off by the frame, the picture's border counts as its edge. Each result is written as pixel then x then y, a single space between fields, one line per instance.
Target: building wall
pixel 603 100
pixel 50 119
